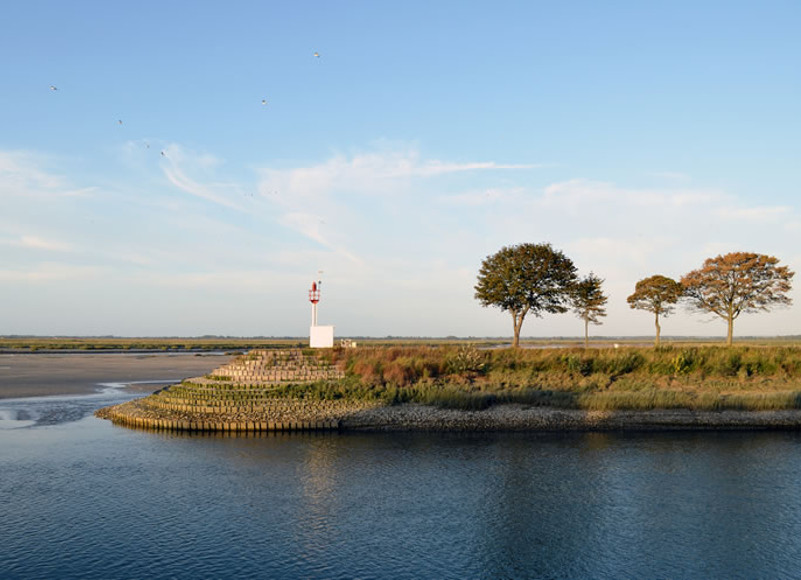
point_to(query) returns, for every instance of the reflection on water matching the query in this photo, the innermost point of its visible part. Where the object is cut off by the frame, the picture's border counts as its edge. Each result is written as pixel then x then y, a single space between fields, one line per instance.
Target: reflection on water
pixel 41 411
pixel 85 499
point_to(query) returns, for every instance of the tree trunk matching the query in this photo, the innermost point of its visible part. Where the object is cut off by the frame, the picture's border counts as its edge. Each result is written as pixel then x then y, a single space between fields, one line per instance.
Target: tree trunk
pixel 730 336
pixel 658 329
pixel 518 324
pixel 586 333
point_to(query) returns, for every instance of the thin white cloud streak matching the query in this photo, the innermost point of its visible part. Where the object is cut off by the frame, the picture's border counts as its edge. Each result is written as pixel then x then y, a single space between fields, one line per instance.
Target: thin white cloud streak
pixel 579 192
pixel 755 214
pixel 624 250
pixel 366 173
pixel 19 172
pixel 38 243
pixel 218 193
pixel 672 176
pixel 433 168
pixel 22 176
pixel 49 272
pixel 489 196
pixel 247 281
pixel 310 225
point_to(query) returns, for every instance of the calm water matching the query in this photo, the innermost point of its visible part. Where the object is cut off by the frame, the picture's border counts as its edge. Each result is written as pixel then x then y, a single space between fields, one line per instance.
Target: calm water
pixel 81 498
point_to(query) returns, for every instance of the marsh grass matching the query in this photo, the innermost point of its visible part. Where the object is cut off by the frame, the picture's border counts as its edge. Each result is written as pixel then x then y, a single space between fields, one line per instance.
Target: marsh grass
pixel 631 378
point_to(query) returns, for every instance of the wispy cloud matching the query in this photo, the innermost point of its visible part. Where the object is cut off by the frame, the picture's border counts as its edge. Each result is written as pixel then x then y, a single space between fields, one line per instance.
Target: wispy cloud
pixel 177 159
pixel 488 196
pixel 754 214
pixel 376 173
pixel 49 272
pixel 671 176
pixel 311 195
pixel 311 226
pixel 22 175
pixel 38 243
pixel 433 168
pixel 578 192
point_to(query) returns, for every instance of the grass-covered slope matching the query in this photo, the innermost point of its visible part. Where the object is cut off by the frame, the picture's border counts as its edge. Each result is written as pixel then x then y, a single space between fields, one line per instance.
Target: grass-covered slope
pixel 630 378
pixel 557 388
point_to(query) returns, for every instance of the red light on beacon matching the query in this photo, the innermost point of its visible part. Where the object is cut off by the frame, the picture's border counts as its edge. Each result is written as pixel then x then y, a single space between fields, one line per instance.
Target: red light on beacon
pixel 314 293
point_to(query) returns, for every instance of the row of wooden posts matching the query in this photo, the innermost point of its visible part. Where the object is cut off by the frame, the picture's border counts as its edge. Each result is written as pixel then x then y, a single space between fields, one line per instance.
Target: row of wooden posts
pixel 240 427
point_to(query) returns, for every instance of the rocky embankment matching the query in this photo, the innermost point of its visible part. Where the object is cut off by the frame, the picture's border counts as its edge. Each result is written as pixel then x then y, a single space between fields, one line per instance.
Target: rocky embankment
pixel 243 396
pixel 412 417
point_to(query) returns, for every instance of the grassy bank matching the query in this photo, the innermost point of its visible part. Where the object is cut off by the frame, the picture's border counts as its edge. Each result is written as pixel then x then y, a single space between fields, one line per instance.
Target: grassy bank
pixel 629 378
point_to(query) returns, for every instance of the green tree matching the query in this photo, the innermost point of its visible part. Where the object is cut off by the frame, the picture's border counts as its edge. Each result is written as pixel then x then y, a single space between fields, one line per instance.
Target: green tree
pixel 729 285
pixel 588 300
pixel 657 294
pixel 526 278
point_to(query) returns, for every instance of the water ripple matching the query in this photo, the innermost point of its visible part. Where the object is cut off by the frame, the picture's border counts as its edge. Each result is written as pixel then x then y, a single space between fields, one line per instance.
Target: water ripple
pixel 89 500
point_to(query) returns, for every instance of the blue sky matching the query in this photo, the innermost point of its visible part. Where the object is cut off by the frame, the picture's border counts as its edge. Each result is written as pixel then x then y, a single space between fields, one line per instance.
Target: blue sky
pixel 153 193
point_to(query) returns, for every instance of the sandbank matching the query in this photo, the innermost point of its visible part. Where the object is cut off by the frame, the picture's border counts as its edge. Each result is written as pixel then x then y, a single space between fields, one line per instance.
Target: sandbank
pixel 45 374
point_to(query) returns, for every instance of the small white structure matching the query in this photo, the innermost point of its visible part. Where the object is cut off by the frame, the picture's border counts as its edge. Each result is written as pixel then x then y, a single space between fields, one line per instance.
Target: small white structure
pixel 319 336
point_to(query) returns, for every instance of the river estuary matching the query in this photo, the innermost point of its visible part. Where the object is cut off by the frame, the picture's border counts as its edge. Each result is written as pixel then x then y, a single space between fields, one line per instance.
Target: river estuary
pixel 82 498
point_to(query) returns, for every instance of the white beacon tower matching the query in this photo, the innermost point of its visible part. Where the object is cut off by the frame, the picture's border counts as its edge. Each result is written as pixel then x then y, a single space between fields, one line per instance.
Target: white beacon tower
pixel 319 336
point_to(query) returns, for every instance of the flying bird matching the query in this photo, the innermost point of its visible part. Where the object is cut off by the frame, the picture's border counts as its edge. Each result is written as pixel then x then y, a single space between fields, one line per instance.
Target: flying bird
pixel 317 54
pixel 264 101
pixel 119 121
pixel 53 88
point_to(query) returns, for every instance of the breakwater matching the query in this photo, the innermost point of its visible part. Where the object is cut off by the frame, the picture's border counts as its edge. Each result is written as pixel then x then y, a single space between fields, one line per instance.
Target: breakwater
pixel 242 396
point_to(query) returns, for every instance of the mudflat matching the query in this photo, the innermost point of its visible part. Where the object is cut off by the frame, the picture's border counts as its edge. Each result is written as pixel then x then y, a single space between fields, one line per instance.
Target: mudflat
pixel 43 374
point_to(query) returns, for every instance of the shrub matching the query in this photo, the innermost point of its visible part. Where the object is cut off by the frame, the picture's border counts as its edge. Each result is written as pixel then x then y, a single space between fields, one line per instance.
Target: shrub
pixel 582 365
pixel 684 361
pixel 626 362
pixel 467 359
pixel 730 364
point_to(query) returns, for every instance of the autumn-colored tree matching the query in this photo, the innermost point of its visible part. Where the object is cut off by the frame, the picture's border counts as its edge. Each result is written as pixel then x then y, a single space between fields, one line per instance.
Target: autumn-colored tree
pixel 738 282
pixel 526 278
pixel 657 294
pixel 588 300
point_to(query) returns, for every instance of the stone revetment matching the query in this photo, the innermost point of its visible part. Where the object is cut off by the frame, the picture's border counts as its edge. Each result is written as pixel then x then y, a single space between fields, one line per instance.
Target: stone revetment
pixel 244 395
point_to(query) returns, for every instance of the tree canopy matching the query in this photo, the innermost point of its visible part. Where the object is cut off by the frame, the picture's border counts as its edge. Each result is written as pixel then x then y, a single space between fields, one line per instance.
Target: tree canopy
pixel 657 294
pixel 526 278
pixel 588 302
pixel 739 282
